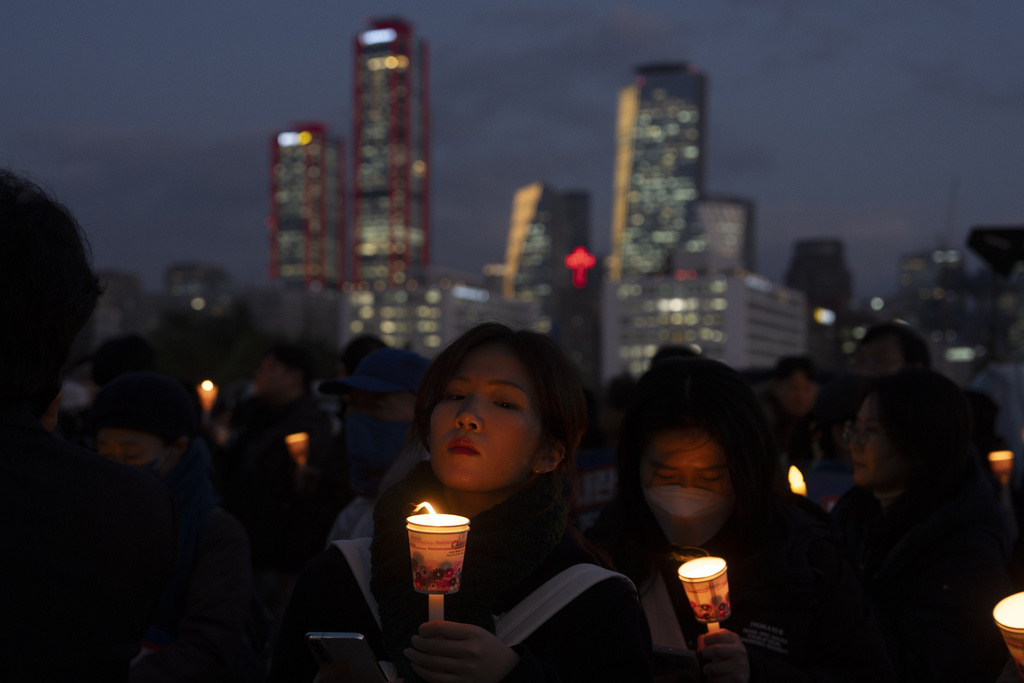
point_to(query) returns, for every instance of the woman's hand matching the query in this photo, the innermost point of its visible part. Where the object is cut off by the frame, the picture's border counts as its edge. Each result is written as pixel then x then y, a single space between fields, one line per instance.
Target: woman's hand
pixel 450 652
pixel 726 657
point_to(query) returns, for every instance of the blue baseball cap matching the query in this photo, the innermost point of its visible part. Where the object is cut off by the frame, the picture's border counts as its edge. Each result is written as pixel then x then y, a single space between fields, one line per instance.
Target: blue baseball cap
pixel 384 371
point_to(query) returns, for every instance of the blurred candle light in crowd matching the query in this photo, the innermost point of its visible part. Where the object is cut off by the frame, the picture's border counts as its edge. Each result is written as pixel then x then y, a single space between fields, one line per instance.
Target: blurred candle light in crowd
pixel 207 391
pixel 1001 463
pixel 298 447
pixel 796 481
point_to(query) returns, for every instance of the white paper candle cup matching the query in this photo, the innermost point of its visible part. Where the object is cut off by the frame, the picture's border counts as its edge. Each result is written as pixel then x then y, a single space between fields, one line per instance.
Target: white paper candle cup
pixel 1009 617
pixel 437 547
pixel 707 587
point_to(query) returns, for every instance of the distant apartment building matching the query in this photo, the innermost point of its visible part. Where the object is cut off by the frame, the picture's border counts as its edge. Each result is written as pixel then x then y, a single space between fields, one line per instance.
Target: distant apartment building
pixel 430 309
pixel 740 318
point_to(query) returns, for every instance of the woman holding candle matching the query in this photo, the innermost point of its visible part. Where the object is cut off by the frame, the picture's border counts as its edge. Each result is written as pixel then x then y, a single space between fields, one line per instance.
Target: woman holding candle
pixel 924 531
pixel 696 468
pixel 501 413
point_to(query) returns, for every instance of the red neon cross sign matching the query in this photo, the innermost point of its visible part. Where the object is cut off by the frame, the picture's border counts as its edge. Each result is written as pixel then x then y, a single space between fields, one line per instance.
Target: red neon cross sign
pixel 579 262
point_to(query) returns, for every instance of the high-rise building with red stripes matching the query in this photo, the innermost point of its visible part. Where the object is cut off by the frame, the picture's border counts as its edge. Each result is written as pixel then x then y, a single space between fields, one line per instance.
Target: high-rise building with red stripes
pixel 391 154
pixel 307 209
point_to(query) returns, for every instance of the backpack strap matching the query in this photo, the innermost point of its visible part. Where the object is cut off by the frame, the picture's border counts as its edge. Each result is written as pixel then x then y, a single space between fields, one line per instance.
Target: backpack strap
pixel 357 554
pixel 518 623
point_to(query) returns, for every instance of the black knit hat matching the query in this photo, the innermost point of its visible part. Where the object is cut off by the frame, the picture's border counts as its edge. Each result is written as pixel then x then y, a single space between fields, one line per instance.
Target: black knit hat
pixel 148 402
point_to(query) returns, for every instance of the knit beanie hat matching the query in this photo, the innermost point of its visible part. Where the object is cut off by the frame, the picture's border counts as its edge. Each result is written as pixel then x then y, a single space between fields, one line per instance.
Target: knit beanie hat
pixel 148 402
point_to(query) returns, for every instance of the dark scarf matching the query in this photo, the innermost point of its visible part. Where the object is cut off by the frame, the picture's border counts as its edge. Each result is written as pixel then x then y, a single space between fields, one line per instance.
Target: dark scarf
pixel 195 496
pixel 505 545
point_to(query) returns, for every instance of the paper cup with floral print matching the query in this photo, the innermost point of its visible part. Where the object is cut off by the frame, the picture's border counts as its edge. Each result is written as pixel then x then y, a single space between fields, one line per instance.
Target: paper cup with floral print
pixel 437 547
pixel 707 587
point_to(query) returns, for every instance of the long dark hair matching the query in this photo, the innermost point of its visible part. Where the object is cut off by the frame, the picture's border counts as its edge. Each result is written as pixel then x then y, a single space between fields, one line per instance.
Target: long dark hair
pixel 927 418
pixel 691 394
pixel 560 399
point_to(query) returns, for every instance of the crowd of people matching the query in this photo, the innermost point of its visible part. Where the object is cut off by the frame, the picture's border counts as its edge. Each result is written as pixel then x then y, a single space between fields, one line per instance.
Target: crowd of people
pixel 155 540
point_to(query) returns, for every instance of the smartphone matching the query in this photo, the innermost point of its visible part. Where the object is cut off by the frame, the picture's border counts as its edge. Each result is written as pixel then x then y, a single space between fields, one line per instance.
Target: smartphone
pixel 328 648
pixel 675 665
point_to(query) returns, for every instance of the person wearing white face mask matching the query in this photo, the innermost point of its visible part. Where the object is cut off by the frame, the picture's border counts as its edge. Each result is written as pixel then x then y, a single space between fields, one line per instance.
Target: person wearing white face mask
pixel 696 471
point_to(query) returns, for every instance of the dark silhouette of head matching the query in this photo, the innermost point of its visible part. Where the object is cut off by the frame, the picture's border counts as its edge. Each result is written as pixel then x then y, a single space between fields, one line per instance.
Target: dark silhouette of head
pixel 48 291
pixel 889 347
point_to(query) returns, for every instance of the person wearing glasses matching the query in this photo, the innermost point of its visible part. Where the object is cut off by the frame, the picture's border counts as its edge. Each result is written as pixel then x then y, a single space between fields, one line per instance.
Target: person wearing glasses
pixel 923 530
pixel 697 462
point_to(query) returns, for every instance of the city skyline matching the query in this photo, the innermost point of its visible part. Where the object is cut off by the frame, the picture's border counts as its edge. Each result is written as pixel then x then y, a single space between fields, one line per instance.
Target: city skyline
pixel 851 122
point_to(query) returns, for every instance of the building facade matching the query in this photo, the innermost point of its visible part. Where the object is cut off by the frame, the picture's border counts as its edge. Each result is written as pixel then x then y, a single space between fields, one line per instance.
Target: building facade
pixel 391 154
pixel 306 222
pixel 739 318
pixel 659 167
pixel 547 263
pixel 719 235
pixel 430 309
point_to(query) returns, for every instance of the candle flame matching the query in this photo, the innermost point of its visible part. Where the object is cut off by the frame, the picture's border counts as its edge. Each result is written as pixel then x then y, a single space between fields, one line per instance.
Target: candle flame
pixel 796 481
pixel 427 505
pixel 207 385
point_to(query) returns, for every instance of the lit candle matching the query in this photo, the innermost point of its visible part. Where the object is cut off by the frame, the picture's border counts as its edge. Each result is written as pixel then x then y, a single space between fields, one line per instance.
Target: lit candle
pixel 796 481
pixel 1009 617
pixel 207 391
pixel 298 447
pixel 437 547
pixel 1001 463
pixel 707 586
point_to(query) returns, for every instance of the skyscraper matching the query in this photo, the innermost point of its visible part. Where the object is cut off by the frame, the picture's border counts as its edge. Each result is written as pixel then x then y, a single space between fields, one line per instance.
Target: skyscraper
pixel 391 175
pixel 306 208
pixel 545 227
pixel 659 166
pixel 546 263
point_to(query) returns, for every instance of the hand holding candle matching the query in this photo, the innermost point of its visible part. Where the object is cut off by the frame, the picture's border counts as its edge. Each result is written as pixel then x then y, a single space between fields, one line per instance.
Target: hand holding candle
pixel 437 546
pixel 707 587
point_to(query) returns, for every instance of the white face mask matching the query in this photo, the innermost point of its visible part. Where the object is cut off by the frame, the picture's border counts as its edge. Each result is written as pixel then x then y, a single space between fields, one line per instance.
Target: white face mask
pixel 688 516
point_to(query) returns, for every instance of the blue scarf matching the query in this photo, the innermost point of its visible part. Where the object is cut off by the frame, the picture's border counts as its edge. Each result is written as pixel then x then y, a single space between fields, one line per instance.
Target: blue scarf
pixel 196 498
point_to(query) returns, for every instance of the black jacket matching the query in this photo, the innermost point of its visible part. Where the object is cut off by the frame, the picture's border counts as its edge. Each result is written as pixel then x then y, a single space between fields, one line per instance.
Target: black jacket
pixel 934 588
pixel 599 636
pixel 796 605
pixel 86 549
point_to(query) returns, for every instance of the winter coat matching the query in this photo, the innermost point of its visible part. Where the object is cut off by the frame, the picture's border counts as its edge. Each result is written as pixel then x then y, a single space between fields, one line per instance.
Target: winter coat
pixel 934 588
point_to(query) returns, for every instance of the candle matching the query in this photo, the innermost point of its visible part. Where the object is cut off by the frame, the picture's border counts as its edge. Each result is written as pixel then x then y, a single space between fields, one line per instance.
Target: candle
pixel 707 587
pixel 207 391
pixel 1001 463
pixel 298 447
pixel 796 481
pixel 437 547
pixel 1009 617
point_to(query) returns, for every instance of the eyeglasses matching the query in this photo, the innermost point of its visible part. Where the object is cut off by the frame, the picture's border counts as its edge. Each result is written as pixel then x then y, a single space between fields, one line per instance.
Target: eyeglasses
pixel 854 432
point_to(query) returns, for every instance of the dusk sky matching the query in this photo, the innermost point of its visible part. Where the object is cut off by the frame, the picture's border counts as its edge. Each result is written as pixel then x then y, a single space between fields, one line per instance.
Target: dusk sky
pixel 152 121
